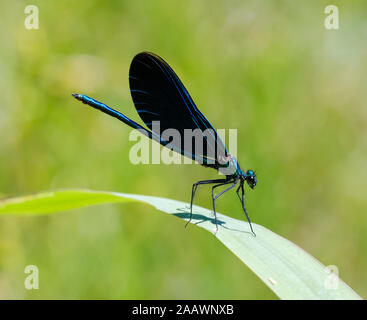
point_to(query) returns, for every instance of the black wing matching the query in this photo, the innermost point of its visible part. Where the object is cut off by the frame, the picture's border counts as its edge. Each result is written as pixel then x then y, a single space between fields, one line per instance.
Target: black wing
pixel 159 95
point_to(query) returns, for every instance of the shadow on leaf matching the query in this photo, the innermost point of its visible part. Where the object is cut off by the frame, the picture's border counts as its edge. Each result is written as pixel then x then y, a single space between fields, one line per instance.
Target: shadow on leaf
pixel 200 218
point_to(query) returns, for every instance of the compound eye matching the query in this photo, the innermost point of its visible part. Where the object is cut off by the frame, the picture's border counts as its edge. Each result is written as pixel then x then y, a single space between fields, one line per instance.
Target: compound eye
pixel 253 181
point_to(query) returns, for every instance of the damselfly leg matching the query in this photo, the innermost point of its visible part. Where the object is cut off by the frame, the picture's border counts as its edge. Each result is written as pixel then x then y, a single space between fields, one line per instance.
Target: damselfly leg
pixel 194 187
pixel 242 199
pixel 217 196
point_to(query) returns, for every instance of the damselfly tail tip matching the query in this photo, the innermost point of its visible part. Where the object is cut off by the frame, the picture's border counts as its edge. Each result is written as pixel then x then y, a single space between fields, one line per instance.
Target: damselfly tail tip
pixel 76 96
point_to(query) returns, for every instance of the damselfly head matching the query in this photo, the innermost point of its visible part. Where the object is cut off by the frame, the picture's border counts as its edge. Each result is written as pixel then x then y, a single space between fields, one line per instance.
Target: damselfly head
pixel 250 178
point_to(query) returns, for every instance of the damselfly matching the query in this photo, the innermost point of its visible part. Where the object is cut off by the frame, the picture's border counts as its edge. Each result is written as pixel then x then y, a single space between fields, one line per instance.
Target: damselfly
pixel 159 95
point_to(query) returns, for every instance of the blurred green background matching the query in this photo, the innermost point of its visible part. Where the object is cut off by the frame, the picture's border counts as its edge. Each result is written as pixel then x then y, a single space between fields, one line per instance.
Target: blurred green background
pixel 295 91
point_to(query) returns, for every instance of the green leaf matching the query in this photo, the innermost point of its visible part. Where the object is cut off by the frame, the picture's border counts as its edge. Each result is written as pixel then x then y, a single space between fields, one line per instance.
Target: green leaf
pixel 283 266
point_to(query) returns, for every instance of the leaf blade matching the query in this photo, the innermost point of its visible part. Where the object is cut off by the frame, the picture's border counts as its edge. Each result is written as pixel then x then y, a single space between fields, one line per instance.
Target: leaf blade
pixel 284 267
